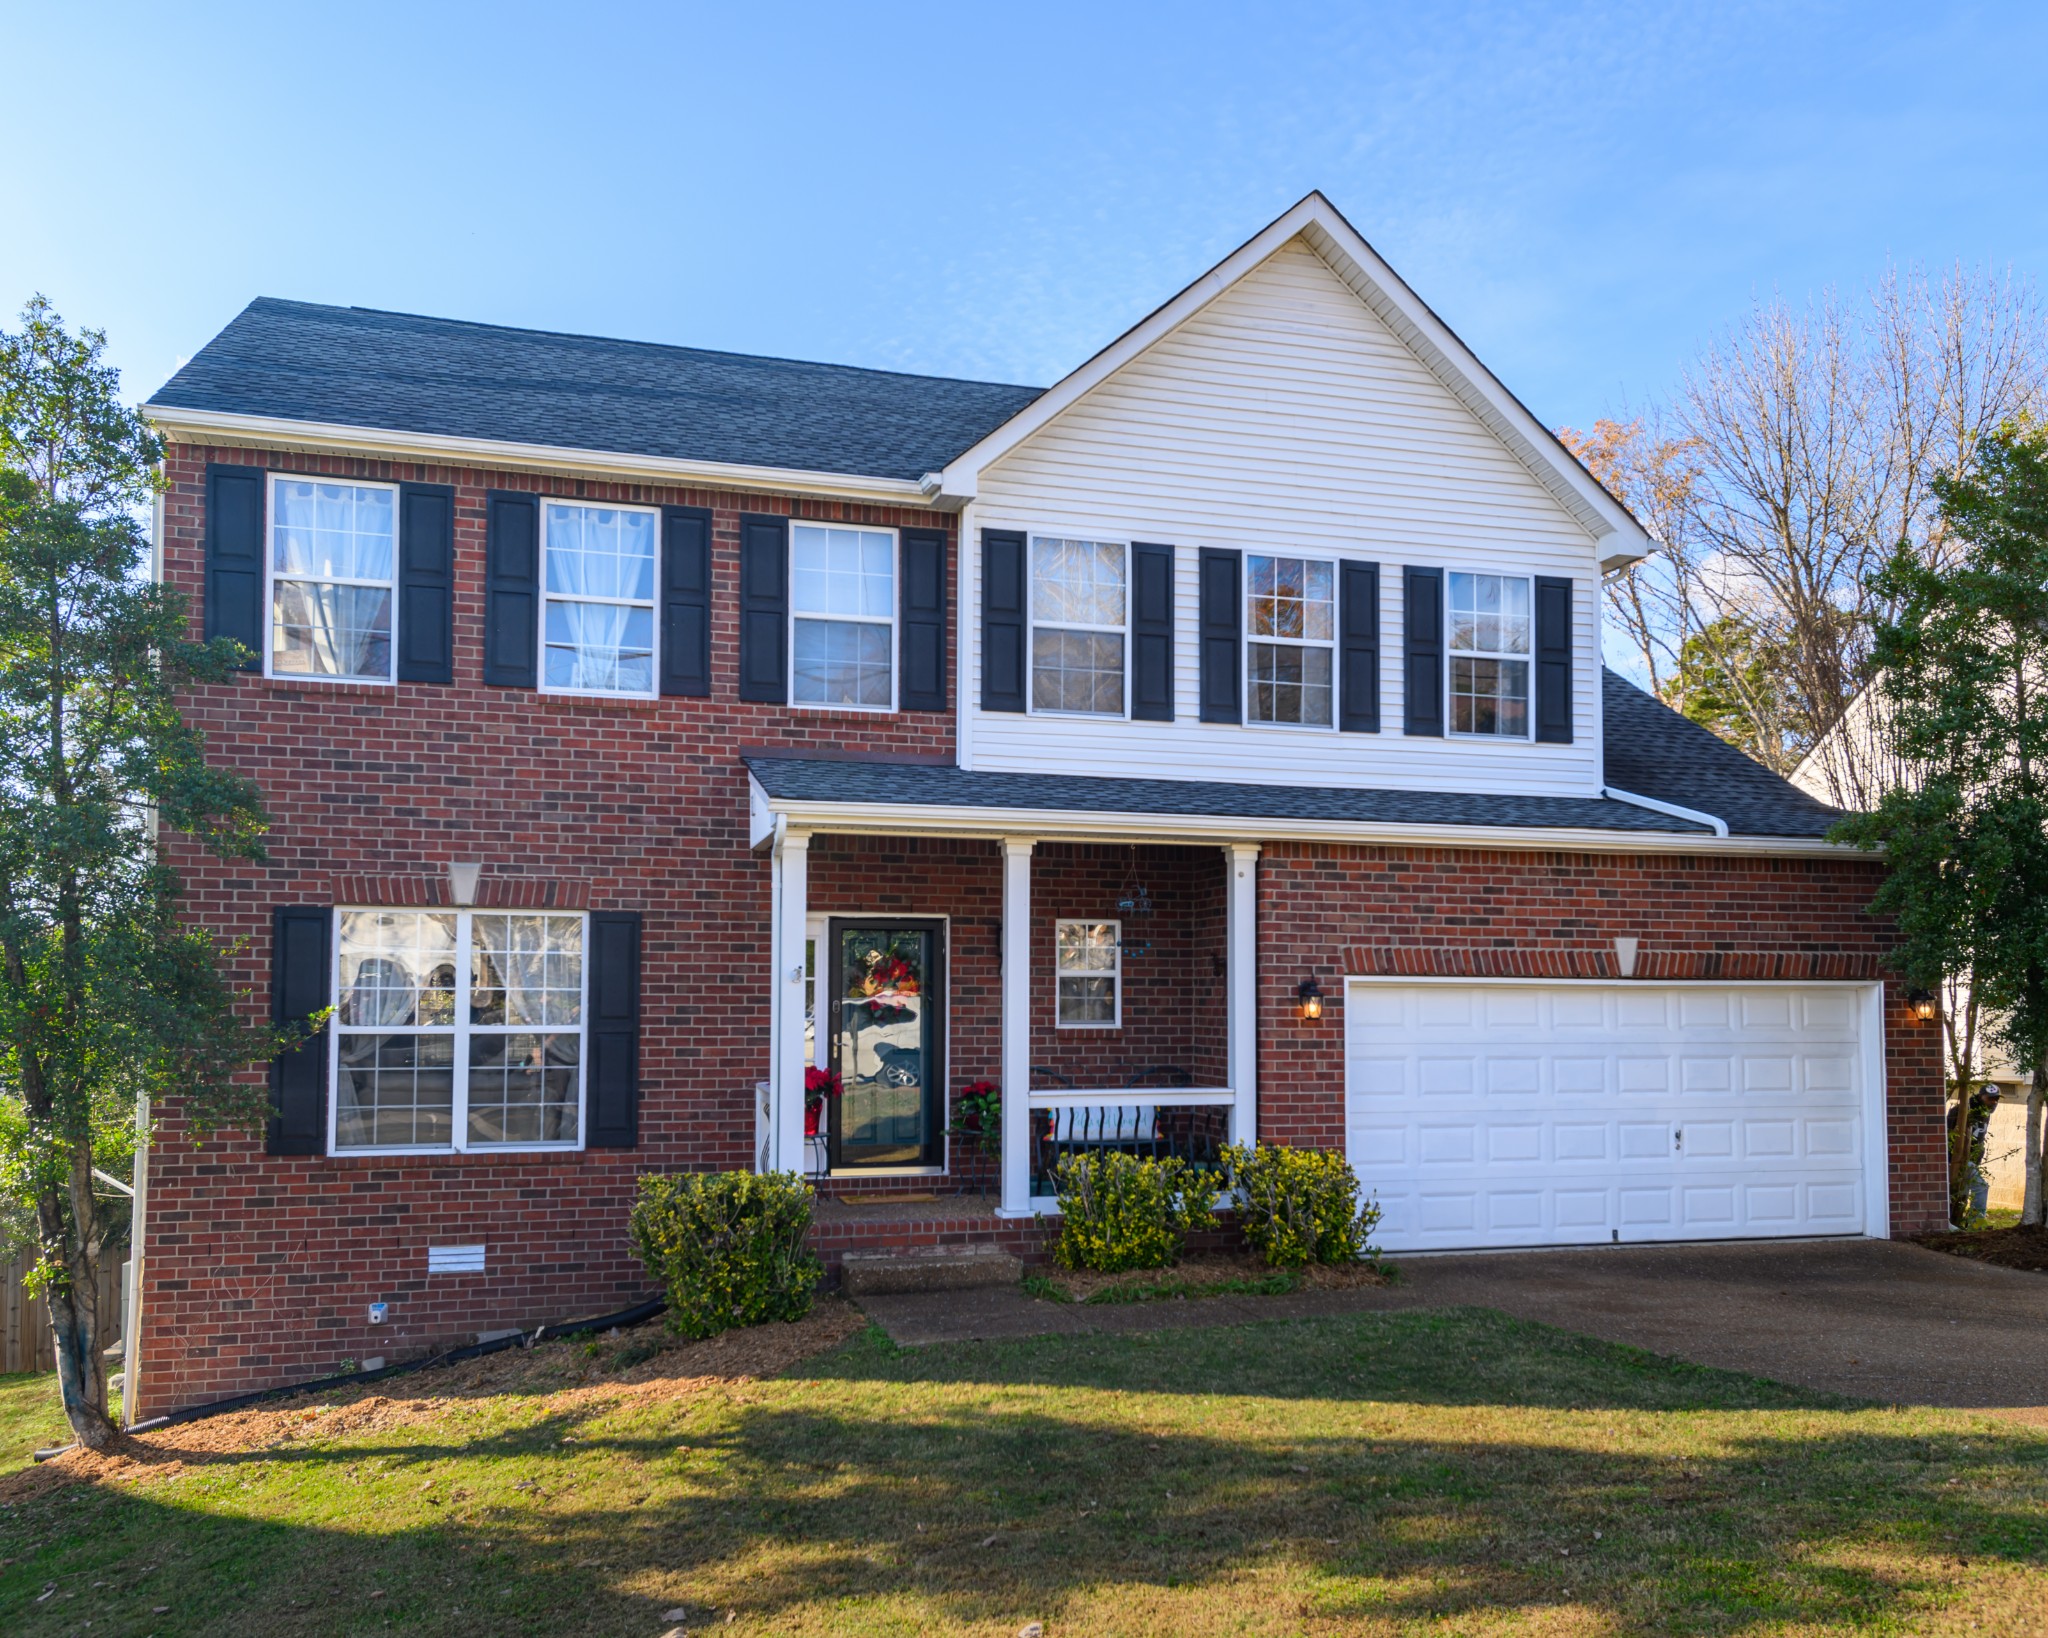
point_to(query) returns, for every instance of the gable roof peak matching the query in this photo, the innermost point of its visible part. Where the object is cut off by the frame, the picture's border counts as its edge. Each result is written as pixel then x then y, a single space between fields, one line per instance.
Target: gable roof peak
pixel 1319 224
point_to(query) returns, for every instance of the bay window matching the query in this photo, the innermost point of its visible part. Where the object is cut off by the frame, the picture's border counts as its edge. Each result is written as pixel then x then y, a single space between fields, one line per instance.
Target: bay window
pixel 333 552
pixel 843 609
pixel 1079 611
pixel 1291 635
pixel 598 625
pixel 1489 655
pixel 457 1029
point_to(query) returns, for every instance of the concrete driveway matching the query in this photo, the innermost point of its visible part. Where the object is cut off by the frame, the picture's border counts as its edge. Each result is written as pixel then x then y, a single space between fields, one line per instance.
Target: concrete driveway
pixel 1877 1319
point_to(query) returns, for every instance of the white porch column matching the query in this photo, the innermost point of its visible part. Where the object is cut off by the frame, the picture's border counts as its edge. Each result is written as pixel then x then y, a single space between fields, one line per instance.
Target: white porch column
pixel 1241 997
pixel 786 958
pixel 1016 1027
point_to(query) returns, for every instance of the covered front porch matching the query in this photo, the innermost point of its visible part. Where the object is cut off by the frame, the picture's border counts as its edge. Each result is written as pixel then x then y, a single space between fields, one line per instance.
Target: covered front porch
pixel 1110 977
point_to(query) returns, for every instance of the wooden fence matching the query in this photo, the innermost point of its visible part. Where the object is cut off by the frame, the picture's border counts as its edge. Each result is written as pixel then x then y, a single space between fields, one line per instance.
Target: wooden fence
pixel 25 1343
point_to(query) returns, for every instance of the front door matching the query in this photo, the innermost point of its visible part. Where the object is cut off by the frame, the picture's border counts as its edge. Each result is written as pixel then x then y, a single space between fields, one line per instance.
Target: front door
pixel 888 1041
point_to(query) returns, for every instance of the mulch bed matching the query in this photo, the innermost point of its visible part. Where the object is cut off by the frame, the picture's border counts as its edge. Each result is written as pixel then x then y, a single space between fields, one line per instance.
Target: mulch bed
pixel 2025 1248
pixel 1217 1274
pixel 588 1376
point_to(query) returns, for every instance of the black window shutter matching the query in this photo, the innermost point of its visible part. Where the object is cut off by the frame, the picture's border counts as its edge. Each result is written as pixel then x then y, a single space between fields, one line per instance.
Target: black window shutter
pixel 426 583
pixel 511 589
pixel 1358 648
pixel 234 558
pixel 1151 633
pixel 921 638
pixel 1422 622
pixel 613 1103
pixel 300 935
pixel 685 600
pixel 1553 660
pixel 1221 621
pixel 764 608
pixel 1003 661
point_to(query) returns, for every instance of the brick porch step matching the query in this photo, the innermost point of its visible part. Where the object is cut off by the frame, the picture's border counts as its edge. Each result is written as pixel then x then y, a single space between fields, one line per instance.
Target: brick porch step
pixel 927 1268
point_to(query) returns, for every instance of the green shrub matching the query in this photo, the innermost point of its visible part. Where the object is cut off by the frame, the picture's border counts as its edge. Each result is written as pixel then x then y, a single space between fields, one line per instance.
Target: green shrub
pixel 1118 1211
pixel 1300 1206
pixel 727 1247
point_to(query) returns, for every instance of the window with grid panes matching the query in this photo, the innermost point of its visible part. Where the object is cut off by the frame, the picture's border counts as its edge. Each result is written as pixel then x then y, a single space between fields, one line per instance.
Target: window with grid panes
pixel 1290 639
pixel 427 1060
pixel 1079 609
pixel 1489 654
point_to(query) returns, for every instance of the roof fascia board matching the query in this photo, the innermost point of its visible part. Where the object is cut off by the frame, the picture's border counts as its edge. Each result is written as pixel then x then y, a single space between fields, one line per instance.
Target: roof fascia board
pixel 863 818
pixel 1383 290
pixel 271 432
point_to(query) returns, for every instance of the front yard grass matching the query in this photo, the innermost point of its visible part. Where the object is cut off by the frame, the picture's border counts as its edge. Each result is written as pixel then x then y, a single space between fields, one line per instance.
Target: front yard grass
pixel 1457 1472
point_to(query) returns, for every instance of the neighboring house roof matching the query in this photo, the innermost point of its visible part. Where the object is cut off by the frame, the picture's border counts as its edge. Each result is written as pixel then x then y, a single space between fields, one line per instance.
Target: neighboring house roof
pixel 398 372
pixel 885 784
pixel 1653 751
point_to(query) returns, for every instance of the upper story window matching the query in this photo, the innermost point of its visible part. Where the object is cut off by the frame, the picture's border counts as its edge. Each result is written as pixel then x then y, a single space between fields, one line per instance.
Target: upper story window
pixel 1489 655
pixel 1080 598
pixel 426 1060
pixel 1089 959
pixel 843 609
pixel 598 628
pixel 1291 634
pixel 333 549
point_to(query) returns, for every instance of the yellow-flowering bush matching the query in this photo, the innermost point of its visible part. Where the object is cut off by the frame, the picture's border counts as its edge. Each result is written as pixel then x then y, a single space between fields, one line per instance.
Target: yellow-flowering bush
pixel 1118 1211
pixel 1300 1206
pixel 727 1247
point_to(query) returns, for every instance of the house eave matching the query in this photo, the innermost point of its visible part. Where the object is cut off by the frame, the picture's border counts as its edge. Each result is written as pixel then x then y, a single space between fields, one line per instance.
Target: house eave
pixel 990 823
pixel 183 425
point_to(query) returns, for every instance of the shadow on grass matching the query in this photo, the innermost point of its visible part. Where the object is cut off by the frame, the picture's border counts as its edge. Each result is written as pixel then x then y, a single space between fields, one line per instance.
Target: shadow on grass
pixel 1150 1482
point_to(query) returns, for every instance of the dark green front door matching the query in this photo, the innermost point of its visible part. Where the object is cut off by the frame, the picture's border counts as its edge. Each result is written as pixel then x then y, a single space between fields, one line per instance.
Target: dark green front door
pixel 888 1041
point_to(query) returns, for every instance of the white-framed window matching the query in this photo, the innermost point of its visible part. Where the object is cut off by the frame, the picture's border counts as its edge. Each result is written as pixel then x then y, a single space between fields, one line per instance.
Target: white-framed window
pixel 842 603
pixel 1080 603
pixel 1489 654
pixel 333 561
pixel 1088 957
pixel 456 1029
pixel 1290 652
pixel 597 619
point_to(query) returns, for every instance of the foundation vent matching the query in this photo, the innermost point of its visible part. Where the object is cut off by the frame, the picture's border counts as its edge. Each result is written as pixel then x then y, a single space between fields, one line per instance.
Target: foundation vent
pixel 455 1259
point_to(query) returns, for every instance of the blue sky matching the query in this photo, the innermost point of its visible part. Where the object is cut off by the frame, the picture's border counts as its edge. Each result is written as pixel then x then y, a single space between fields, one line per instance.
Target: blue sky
pixel 1584 191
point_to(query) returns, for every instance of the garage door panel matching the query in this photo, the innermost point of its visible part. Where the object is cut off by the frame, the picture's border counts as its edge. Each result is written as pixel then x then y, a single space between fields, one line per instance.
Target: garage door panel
pixel 1544 1114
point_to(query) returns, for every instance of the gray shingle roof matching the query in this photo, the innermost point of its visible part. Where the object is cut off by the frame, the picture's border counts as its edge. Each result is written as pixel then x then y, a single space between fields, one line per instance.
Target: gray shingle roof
pixel 354 366
pixel 894 784
pixel 1653 751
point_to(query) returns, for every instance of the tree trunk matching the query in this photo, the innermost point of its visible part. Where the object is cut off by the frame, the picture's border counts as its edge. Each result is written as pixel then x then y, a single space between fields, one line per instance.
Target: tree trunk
pixel 71 1240
pixel 2030 1208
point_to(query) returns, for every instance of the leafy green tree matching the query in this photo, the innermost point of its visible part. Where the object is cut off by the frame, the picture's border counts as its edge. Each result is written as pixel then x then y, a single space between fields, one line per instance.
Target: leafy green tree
pixel 1964 667
pixel 1726 680
pixel 107 997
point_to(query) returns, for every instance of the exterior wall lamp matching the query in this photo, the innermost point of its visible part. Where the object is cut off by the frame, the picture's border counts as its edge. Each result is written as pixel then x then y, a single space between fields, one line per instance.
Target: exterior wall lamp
pixel 1309 999
pixel 1923 1004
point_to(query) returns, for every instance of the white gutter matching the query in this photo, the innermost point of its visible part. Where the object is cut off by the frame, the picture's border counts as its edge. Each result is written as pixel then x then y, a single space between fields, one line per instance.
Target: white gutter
pixel 272 432
pixel 904 818
pixel 1694 814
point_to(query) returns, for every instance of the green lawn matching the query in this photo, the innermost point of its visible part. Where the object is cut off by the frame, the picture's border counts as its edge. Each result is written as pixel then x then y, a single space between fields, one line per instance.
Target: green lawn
pixel 1387 1473
pixel 30 1416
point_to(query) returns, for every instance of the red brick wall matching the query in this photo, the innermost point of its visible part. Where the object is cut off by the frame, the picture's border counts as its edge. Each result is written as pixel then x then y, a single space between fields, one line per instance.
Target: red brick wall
pixel 1333 910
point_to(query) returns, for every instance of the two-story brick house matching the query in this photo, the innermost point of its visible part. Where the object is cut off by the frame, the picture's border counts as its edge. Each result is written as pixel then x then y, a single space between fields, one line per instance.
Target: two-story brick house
pixel 1212 744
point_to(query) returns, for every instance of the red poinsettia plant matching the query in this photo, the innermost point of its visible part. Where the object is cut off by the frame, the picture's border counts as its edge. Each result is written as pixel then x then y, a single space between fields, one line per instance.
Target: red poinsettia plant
pixel 979 1114
pixel 820 1084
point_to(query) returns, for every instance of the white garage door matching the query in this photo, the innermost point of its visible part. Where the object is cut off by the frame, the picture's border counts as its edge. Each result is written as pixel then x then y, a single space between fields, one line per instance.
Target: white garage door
pixel 1510 1114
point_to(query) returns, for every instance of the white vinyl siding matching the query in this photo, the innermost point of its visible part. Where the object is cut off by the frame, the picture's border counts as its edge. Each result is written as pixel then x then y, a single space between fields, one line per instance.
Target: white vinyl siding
pixel 1286 418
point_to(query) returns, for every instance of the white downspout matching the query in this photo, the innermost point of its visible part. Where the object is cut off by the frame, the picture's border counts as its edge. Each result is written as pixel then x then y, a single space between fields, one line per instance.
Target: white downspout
pixel 1719 826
